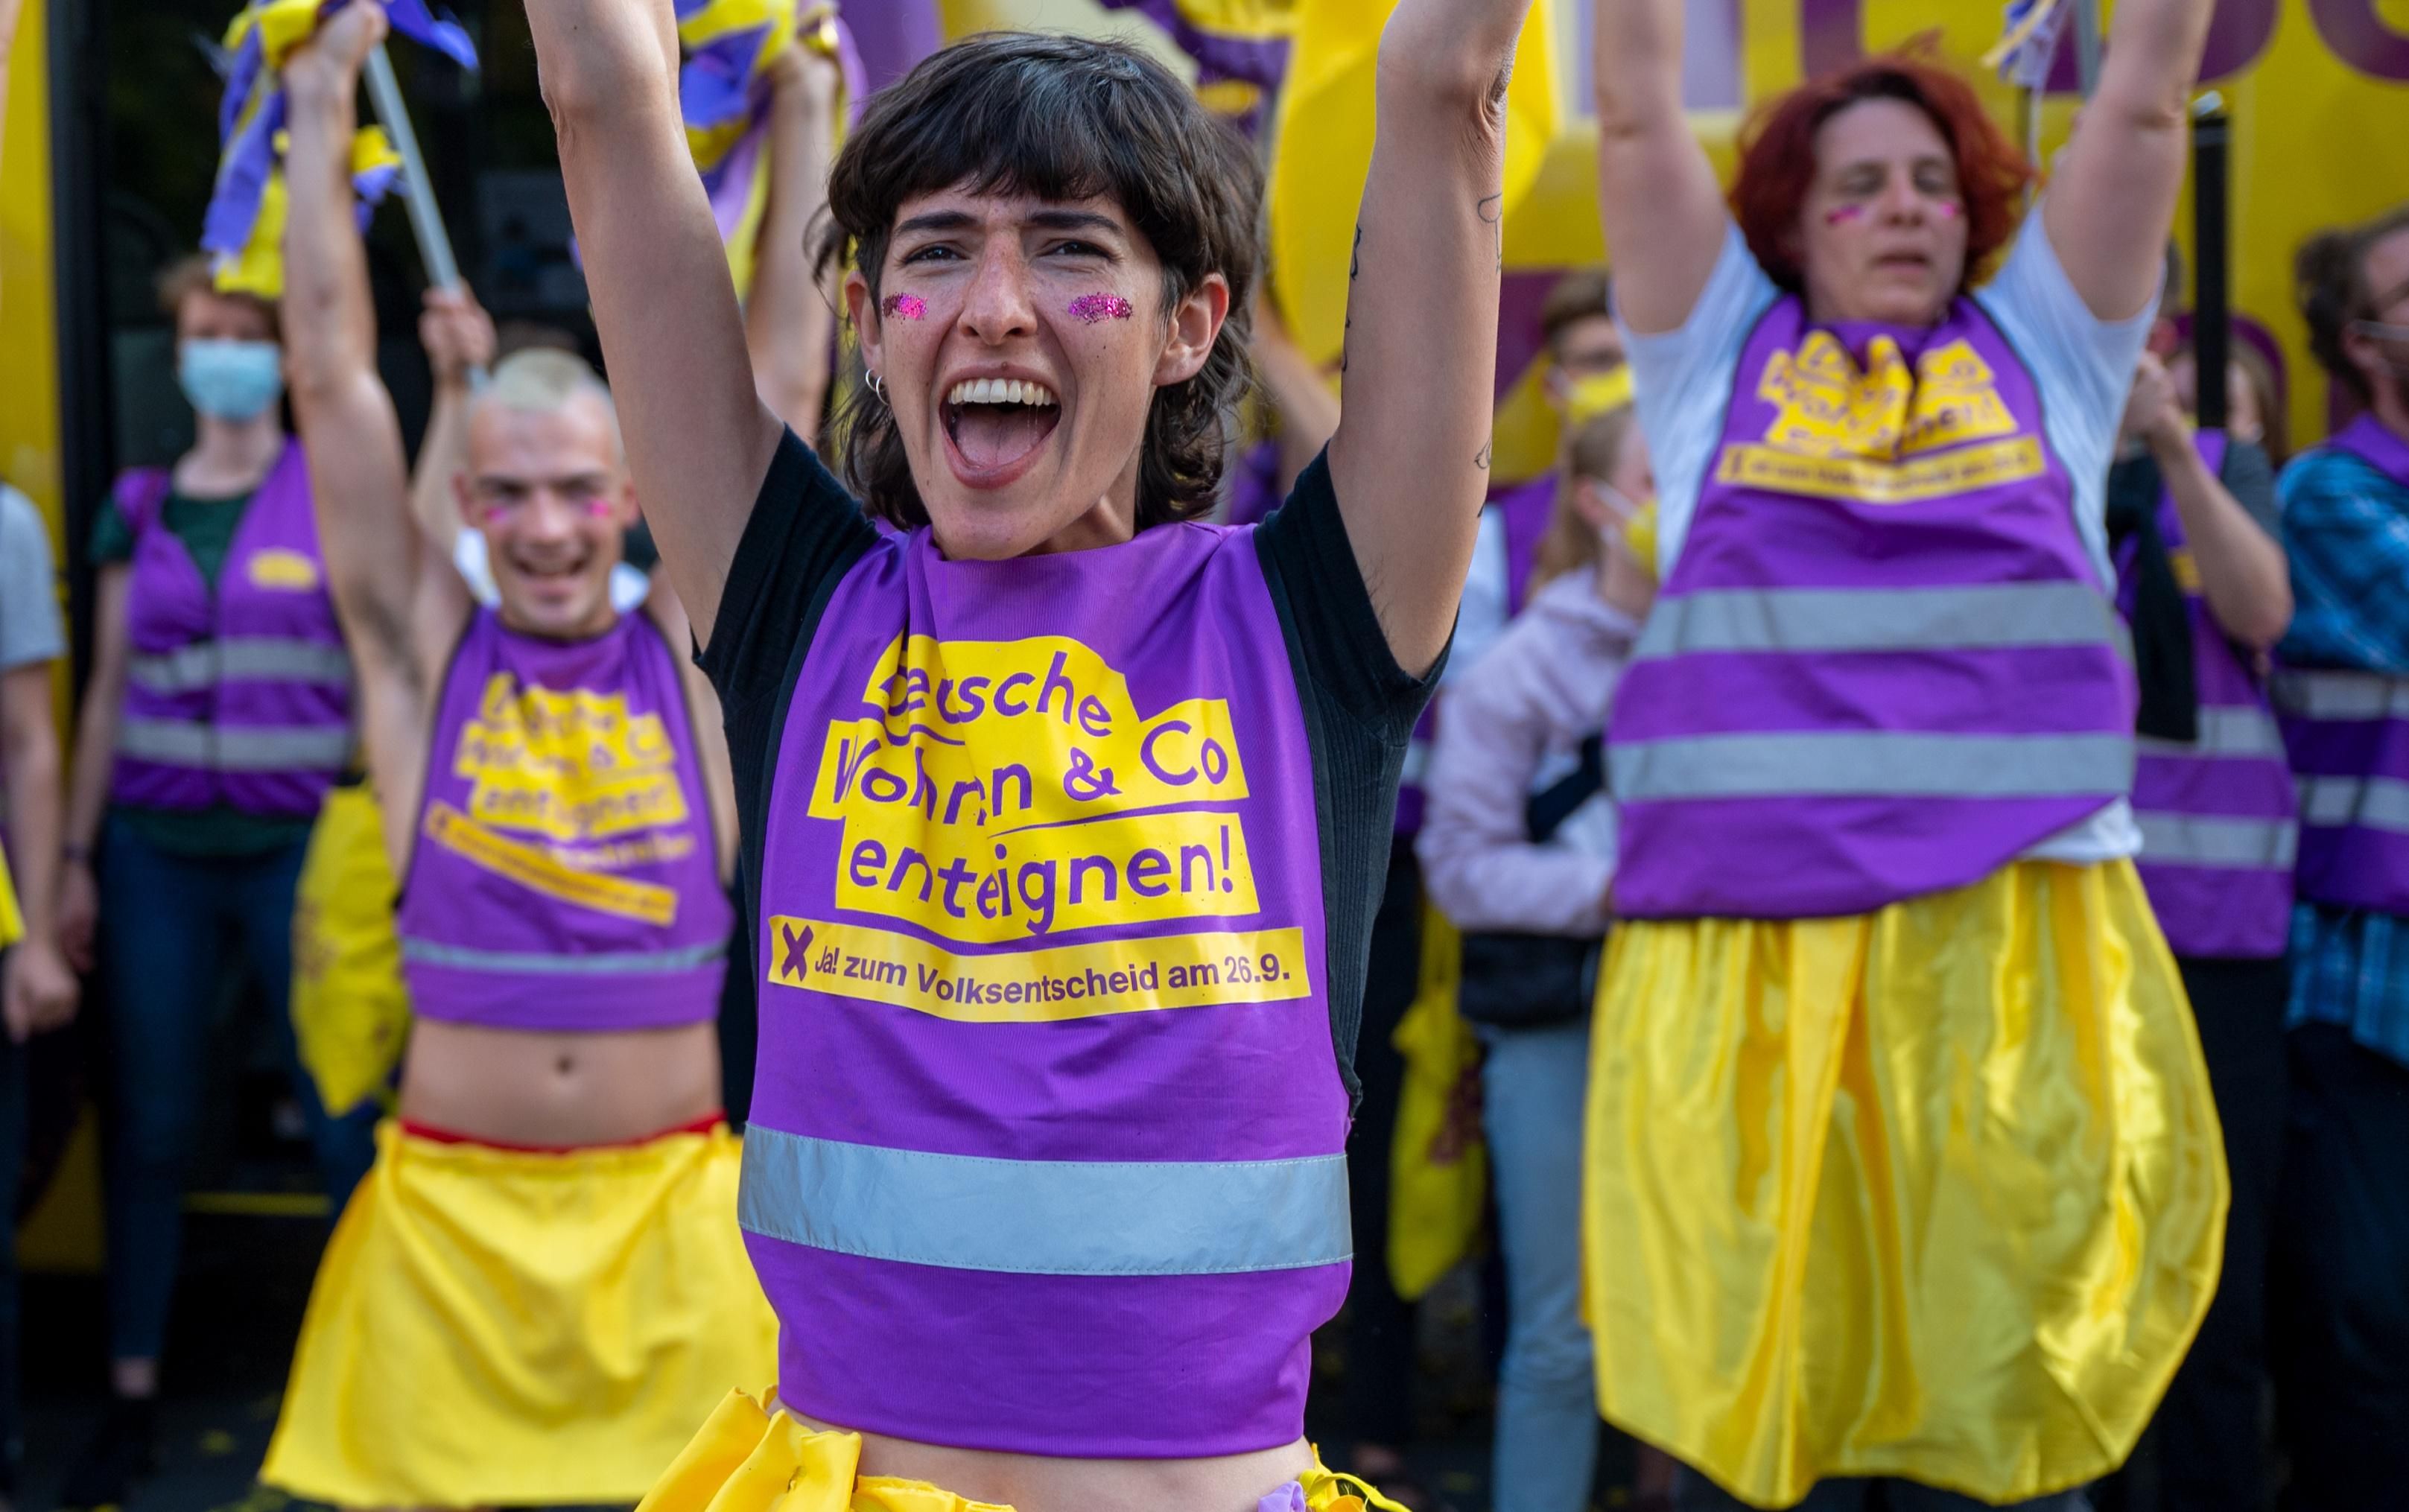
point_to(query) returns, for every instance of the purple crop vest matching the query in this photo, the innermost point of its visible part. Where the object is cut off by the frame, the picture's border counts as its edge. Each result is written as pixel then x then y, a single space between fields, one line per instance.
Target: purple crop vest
pixel 1047 1142
pixel 1882 665
pixel 565 875
pixel 1524 508
pixel 244 695
pixel 2348 736
pixel 2217 816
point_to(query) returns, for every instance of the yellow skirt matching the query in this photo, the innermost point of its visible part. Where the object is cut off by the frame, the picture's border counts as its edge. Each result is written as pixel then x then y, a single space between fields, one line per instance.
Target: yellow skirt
pixel 746 1460
pixel 1937 1192
pixel 499 1328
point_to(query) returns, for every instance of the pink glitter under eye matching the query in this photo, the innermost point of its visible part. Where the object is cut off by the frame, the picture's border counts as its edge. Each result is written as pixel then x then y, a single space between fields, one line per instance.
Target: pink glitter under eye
pixel 1844 214
pixel 1093 307
pixel 904 306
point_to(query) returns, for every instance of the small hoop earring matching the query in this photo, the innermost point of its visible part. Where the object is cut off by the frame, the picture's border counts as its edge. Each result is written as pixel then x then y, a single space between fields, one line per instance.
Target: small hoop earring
pixel 878 388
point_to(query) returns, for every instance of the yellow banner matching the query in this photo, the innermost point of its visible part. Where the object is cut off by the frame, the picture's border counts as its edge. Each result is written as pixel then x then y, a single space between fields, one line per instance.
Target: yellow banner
pixel 540 872
pixel 1036 986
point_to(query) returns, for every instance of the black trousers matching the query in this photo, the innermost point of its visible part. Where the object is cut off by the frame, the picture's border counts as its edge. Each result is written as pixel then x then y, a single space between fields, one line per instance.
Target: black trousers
pixel 2209 1441
pixel 2341 1344
pixel 1380 1343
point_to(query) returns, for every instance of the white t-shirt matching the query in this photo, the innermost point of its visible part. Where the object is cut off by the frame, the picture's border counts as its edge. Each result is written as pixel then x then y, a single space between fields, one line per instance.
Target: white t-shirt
pixel 473 560
pixel 2080 365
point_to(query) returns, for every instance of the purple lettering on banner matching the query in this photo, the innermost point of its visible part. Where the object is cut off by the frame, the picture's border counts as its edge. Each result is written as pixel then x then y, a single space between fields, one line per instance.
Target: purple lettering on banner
pixel 1831 36
pixel 2362 38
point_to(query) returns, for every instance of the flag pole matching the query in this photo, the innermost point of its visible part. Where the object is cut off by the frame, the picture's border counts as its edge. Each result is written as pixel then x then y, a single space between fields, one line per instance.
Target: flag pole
pixel 426 216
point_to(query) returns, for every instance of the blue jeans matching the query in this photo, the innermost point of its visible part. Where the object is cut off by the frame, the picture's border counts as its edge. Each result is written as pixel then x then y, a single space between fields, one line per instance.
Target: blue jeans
pixel 1532 1085
pixel 165 923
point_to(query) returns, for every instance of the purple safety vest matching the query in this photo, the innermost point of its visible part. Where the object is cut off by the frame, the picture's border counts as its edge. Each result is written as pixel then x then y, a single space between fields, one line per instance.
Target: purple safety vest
pixel 1524 508
pixel 1882 665
pixel 242 695
pixel 565 875
pixel 2348 736
pixel 2219 827
pixel 1048 1128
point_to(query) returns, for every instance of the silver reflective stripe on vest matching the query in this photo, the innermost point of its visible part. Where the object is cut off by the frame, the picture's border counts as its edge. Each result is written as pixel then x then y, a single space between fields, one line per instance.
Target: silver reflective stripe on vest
pixel 2226 731
pixel 248 659
pixel 533 962
pixel 2202 840
pixel 1046 1218
pixel 177 742
pixel 1974 617
pixel 2366 802
pixel 1882 763
pixel 2342 695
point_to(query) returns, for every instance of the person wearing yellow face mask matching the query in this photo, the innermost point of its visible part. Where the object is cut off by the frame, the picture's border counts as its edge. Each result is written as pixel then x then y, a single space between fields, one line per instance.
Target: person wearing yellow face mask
pixel 1518 851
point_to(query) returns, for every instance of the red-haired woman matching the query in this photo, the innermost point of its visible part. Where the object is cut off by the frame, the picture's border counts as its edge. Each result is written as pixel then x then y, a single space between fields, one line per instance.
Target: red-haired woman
pixel 1901 1163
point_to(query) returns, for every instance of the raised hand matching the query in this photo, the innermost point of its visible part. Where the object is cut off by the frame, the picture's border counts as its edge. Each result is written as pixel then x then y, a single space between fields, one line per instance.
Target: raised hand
pixel 457 334
pixel 332 55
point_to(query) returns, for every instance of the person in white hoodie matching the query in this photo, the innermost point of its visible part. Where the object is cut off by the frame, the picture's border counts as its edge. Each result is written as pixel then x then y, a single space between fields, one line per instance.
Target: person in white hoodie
pixel 1517 850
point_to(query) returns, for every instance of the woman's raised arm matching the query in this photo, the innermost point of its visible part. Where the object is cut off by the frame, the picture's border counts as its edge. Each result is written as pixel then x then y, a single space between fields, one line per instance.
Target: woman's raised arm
pixel 1410 459
pixel 1657 196
pixel 699 438
pixel 2114 197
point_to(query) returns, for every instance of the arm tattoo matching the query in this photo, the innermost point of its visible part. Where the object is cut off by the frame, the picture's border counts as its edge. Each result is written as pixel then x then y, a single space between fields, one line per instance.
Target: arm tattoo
pixel 1481 458
pixel 1492 211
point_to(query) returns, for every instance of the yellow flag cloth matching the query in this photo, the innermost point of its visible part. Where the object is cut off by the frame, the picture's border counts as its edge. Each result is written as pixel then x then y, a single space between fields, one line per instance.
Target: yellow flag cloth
pixel 504 1328
pixel 1937 1192
pixel 747 1458
pixel 351 1013
pixel 1324 148
pixel 1439 1177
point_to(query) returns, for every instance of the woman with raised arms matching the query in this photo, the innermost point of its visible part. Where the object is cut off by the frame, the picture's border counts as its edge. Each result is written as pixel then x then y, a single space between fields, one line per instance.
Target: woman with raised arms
pixel 1901 1158
pixel 1049 1248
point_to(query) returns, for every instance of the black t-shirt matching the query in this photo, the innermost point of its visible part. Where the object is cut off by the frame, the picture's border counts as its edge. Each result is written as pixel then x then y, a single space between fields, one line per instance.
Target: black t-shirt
pixel 1360 706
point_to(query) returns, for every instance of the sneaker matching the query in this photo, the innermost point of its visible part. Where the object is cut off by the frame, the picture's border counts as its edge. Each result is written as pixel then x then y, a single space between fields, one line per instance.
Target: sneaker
pixel 124 1450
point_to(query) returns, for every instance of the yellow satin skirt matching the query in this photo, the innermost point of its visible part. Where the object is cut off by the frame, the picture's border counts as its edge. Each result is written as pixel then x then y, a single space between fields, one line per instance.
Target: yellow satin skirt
pixel 1937 1192
pixel 500 1327
pixel 748 1460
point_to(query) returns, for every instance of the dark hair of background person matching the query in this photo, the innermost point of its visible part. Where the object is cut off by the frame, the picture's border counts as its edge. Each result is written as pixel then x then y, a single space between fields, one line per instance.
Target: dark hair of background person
pixel 1777 162
pixel 1578 295
pixel 1594 450
pixel 2329 281
pixel 189 275
pixel 1065 119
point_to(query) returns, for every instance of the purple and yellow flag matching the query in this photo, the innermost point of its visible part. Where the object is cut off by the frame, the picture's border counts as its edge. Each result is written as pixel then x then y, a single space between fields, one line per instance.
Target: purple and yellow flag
pixel 724 92
pixel 1241 47
pixel 243 231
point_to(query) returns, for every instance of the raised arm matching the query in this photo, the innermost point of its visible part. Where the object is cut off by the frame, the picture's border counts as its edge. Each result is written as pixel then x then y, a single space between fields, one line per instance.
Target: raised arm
pixel 1656 193
pixel 459 340
pixel 2114 196
pixel 1410 457
pixel 789 319
pixel 358 480
pixel 699 439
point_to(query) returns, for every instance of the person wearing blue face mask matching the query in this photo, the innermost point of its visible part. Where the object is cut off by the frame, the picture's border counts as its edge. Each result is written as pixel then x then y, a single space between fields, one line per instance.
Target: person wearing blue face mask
pixel 219 713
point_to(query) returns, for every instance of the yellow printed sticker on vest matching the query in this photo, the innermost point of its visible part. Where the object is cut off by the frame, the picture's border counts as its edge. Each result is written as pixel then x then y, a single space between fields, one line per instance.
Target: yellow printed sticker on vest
pixel 285 570
pixel 1001 789
pixel 568 765
pixel 1115 976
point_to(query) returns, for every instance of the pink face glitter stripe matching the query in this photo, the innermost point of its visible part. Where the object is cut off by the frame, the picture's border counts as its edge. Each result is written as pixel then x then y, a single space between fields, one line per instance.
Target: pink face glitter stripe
pixel 904 306
pixel 1842 215
pixel 1093 307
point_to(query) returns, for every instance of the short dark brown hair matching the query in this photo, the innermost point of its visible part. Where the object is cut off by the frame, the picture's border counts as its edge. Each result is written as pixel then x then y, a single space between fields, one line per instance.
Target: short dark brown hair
pixel 1060 118
pixel 189 275
pixel 2329 279
pixel 1580 295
